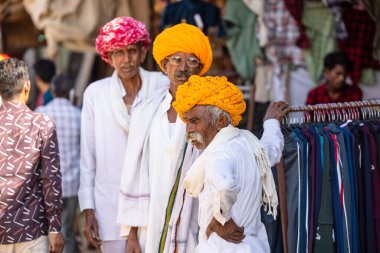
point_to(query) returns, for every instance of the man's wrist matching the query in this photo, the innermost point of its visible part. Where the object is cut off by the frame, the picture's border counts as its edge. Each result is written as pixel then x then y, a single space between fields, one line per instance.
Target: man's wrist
pixel 133 232
pixel 88 211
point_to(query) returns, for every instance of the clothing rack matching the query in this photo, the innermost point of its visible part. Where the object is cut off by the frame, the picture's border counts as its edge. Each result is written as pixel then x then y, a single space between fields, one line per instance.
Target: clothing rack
pixel 359 110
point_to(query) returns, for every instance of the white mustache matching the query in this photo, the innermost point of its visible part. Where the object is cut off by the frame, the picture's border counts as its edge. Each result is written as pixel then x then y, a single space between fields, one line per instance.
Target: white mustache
pixel 195 136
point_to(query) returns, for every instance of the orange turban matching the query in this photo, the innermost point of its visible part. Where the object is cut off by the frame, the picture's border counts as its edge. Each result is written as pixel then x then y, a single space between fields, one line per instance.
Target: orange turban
pixel 210 90
pixel 183 38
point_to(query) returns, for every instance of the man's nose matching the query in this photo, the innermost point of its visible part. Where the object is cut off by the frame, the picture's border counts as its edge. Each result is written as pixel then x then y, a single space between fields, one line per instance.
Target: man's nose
pixel 189 128
pixel 182 66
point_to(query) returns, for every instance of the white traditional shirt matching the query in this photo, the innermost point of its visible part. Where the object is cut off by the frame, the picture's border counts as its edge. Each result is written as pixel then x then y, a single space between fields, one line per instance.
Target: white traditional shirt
pixel 163 155
pixel 233 184
pixel 103 144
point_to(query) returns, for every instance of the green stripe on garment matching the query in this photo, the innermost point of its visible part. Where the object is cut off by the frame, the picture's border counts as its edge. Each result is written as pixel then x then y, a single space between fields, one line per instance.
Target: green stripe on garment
pixel 169 207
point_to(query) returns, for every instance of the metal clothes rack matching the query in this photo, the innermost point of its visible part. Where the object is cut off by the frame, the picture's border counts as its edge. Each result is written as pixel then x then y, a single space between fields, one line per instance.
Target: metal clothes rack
pixel 359 110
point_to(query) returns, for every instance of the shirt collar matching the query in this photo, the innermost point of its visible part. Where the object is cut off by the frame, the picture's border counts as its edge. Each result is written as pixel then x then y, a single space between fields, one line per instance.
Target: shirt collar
pixel 14 106
pixel 167 101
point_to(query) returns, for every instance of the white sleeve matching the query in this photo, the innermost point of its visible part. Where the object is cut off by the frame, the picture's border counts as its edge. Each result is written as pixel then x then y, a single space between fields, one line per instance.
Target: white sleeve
pixel 273 141
pixel 221 177
pixel 87 156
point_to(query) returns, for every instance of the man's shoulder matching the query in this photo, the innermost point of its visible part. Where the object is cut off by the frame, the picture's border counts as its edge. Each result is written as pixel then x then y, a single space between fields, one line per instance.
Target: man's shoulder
pixel 318 89
pixel 98 86
pixel 155 98
pixel 40 118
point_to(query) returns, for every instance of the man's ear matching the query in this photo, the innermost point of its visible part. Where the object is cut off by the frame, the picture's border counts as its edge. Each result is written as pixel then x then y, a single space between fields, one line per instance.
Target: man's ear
pixel 143 52
pixel 164 64
pixel 109 54
pixel 26 87
pixel 222 121
pixel 199 68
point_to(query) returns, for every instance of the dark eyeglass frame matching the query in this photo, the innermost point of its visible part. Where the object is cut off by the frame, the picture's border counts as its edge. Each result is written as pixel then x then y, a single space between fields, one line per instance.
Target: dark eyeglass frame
pixel 191 62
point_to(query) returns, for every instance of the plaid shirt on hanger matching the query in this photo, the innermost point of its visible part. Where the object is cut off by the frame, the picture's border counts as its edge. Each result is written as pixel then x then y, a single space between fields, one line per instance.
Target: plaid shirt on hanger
pixel 336 7
pixel 359 45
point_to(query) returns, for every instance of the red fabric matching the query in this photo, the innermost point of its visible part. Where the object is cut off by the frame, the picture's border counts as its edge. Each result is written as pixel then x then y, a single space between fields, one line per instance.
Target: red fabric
pixel 295 7
pixel 359 45
pixel 119 33
pixel 319 95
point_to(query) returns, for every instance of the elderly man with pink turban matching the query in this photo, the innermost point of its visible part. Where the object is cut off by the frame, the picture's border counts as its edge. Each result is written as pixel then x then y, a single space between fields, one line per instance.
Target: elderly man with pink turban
pixel 108 105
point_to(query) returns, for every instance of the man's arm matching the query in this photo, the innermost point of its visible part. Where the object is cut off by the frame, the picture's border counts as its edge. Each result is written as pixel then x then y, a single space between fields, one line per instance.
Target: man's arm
pixel 272 139
pixel 51 183
pixel 87 173
pixel 224 189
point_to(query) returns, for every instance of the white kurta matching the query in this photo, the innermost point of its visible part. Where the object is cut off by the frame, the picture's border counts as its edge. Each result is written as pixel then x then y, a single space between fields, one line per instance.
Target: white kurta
pixel 164 153
pixel 232 181
pixel 103 144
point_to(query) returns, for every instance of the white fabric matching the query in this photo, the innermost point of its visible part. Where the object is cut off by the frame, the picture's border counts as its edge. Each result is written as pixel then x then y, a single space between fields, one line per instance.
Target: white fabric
pixel 119 108
pixel 103 144
pixel 195 177
pixel 233 184
pixel 152 161
pixel 257 7
pixel 118 246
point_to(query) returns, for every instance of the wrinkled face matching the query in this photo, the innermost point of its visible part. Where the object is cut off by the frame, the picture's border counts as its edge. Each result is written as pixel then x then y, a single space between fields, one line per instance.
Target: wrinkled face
pixel 336 77
pixel 200 127
pixel 126 61
pixel 178 70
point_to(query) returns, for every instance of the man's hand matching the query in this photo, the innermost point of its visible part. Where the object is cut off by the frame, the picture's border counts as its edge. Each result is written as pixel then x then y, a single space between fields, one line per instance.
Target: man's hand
pixel 229 232
pixel 91 229
pixel 277 110
pixel 133 245
pixel 56 242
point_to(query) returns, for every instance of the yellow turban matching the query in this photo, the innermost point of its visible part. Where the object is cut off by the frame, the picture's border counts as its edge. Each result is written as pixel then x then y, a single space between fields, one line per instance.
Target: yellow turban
pixel 210 90
pixel 183 38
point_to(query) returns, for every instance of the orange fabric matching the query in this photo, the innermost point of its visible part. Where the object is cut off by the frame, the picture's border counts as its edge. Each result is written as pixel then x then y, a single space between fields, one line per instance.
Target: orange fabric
pixel 210 90
pixel 3 57
pixel 183 38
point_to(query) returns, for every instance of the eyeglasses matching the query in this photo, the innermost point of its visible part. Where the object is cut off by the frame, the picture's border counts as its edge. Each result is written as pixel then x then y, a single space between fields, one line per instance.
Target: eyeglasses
pixel 191 62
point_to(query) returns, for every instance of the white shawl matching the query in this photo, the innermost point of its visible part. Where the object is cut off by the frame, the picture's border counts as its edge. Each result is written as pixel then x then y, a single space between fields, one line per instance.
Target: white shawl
pixel 149 82
pixel 195 177
pixel 134 187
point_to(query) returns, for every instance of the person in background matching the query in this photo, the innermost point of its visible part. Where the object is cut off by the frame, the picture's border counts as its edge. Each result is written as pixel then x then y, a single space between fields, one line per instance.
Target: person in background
pixel 108 106
pixel 67 120
pixel 44 73
pixel 335 89
pixel 30 177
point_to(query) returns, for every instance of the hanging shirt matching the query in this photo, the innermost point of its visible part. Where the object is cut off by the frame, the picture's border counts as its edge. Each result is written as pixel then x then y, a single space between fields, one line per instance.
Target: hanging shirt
pixel 195 12
pixel 359 44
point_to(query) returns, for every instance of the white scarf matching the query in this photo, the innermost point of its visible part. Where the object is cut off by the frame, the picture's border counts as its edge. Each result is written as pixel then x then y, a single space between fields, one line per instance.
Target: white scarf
pixel 149 82
pixel 195 176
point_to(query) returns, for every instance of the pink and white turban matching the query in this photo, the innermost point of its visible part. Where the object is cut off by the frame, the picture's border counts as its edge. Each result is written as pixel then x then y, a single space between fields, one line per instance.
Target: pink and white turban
pixel 119 33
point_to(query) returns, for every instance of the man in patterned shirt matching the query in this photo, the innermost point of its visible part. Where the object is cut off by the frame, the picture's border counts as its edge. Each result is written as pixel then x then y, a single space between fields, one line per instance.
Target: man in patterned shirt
pixel 335 89
pixel 67 120
pixel 30 179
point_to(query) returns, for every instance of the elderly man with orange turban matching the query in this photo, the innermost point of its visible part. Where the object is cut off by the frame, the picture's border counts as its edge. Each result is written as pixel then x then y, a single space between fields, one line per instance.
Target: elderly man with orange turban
pixel 108 106
pixel 232 177
pixel 155 212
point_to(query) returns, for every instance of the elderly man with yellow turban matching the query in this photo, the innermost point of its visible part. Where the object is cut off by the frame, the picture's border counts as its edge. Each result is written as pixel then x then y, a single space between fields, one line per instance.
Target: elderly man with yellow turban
pixel 232 177
pixel 155 212
pixel 107 108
